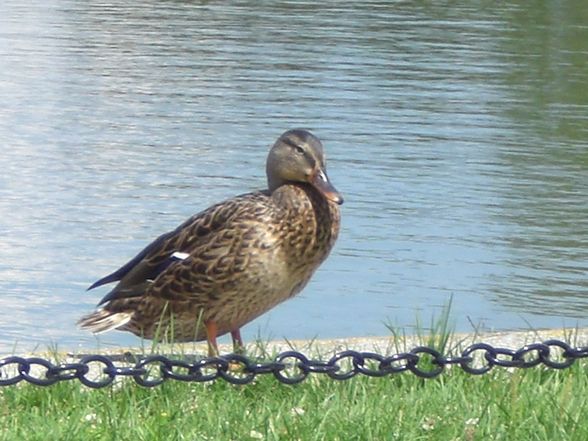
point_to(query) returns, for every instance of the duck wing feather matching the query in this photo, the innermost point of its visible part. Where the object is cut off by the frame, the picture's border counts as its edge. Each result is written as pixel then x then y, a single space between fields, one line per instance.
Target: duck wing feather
pixel 174 258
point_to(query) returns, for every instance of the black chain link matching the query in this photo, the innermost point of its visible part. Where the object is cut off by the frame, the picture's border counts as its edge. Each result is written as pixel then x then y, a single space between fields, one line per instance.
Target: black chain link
pixel 290 367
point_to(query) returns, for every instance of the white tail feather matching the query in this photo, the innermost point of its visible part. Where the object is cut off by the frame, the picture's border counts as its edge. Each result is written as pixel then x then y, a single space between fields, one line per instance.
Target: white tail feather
pixel 103 321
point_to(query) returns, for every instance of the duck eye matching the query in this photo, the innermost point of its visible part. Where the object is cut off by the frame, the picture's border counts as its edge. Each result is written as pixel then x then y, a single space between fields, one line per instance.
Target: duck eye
pixel 299 150
pixel 295 146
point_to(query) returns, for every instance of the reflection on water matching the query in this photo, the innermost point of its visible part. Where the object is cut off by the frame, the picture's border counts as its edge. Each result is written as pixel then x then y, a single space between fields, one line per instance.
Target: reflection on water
pixel 458 137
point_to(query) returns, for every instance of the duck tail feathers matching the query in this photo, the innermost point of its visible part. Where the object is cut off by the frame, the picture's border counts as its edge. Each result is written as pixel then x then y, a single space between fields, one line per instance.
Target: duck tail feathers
pixel 103 321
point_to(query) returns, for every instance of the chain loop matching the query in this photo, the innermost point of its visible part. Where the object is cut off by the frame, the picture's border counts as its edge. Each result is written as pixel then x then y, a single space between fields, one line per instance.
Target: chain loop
pixel 239 369
pixel 21 364
pixel 142 370
pixel 337 361
pixel 539 349
pixel 566 354
pixel 214 364
pixel 168 371
pixel 362 367
pixel 283 376
pixel 42 379
pixel 67 371
pixel 493 358
pixel 109 367
pixel 430 373
pixel 468 353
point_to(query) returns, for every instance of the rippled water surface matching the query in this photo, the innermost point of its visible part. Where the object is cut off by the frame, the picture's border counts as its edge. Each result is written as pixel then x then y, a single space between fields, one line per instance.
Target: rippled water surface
pixel 458 136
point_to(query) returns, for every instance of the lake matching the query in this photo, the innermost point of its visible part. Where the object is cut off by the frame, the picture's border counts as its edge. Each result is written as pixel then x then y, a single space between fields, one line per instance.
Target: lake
pixel 457 133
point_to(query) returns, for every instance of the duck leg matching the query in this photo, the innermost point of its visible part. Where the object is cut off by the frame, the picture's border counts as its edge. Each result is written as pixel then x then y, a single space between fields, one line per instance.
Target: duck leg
pixel 238 346
pixel 211 331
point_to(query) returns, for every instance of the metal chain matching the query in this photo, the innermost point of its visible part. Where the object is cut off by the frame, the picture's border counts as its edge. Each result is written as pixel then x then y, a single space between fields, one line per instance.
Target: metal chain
pixel 290 367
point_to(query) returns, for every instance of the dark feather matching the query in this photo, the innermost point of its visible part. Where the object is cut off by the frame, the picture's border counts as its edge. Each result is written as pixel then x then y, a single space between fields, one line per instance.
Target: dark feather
pixel 124 270
pixel 133 291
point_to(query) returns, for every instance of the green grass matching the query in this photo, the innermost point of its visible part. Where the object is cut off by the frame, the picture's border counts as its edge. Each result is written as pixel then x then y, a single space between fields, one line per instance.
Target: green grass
pixel 533 404
pixel 505 404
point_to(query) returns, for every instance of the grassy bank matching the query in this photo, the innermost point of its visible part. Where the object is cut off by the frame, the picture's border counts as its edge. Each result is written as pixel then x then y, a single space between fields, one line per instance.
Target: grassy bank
pixel 505 404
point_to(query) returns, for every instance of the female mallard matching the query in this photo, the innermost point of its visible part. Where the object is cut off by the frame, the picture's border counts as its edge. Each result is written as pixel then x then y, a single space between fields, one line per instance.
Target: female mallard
pixel 234 261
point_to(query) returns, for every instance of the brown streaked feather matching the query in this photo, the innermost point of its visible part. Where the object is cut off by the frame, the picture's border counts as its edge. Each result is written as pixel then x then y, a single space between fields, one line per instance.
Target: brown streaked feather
pixel 195 233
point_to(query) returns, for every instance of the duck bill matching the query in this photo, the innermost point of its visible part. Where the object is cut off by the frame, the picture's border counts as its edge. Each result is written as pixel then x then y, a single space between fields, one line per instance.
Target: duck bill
pixel 321 182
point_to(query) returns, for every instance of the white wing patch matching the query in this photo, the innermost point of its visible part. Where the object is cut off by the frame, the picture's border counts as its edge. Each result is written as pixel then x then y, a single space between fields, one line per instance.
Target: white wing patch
pixel 180 256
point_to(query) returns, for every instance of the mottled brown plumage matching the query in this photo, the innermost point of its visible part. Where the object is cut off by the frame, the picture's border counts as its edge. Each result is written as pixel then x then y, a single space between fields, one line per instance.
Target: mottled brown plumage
pixel 234 261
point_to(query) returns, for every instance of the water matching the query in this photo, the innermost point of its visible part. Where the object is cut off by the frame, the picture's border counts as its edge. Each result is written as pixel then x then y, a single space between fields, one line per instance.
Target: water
pixel 458 136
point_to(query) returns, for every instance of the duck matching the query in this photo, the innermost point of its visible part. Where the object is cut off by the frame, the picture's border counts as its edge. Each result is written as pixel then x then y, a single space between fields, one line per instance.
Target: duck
pixel 232 262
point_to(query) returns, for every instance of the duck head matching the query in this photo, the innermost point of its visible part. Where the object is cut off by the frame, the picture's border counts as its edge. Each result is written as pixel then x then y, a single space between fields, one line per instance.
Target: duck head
pixel 298 156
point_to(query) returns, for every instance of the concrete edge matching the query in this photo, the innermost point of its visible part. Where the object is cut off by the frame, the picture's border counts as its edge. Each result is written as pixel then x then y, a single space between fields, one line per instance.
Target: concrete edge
pixel 385 345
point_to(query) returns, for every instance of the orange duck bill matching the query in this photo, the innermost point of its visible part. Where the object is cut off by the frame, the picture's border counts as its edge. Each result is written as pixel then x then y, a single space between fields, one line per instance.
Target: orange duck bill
pixel 321 182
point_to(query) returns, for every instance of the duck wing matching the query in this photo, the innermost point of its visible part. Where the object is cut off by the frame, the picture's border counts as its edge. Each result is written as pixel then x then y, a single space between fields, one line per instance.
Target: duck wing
pixel 156 260
pixel 150 250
